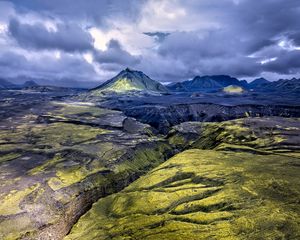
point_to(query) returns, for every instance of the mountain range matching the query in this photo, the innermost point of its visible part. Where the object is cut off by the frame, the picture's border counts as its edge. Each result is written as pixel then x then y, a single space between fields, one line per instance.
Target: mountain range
pixel 129 80
pixel 258 83
pixel 4 84
pixel 284 85
pixel 206 83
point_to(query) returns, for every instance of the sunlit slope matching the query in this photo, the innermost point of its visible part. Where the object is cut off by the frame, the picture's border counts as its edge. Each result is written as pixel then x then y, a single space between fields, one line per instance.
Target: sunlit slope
pixel 274 135
pixel 203 194
pixel 232 89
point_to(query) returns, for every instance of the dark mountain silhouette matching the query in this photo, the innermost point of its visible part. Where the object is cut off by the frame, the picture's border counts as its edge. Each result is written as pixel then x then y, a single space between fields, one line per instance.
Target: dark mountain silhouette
pixel 4 84
pixel 206 83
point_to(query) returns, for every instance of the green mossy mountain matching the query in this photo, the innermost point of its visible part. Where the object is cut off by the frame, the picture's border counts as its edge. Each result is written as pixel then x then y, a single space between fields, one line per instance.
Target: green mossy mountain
pixel 130 80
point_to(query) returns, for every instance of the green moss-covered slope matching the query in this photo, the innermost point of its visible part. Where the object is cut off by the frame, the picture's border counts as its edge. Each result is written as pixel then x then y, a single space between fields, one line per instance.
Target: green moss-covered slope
pixel 260 135
pixel 202 194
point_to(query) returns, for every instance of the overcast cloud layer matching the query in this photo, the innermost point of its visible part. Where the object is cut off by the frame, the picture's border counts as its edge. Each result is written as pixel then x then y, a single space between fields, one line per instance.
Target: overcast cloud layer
pixel 68 41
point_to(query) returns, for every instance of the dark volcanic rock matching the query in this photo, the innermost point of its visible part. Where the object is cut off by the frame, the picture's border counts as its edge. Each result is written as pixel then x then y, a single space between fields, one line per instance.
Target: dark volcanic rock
pixel 131 125
pixel 164 117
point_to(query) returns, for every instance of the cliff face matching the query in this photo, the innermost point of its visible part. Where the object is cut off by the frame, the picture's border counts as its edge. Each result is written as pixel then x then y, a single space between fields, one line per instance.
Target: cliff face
pixel 163 118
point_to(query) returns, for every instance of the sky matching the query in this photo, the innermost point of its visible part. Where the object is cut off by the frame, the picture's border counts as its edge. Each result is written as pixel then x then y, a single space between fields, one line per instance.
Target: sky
pixel 84 42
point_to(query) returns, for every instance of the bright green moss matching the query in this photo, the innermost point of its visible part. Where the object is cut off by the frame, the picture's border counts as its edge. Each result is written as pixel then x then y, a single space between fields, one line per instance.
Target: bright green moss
pixel 14 228
pixel 71 175
pixel 200 194
pixel 250 135
pixel 10 202
pixel 144 158
pixel 64 134
pixel 233 89
pixel 73 109
pixel 51 162
pixel 177 140
pixel 124 85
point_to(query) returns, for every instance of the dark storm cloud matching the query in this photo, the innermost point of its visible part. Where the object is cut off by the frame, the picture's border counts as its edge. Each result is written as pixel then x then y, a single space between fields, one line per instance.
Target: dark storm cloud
pixel 69 38
pixel 260 24
pixel 90 11
pixel 158 36
pixel 214 53
pixel 295 37
pixel 116 55
pixel 10 61
pixel 14 65
pixel 189 45
pixel 245 28
pixel 243 38
pixel 287 63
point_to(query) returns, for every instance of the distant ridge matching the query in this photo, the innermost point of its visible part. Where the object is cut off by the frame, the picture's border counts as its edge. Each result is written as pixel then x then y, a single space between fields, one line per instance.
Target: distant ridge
pixel 30 83
pixel 258 82
pixel 206 83
pixel 283 85
pixel 130 80
pixel 4 84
